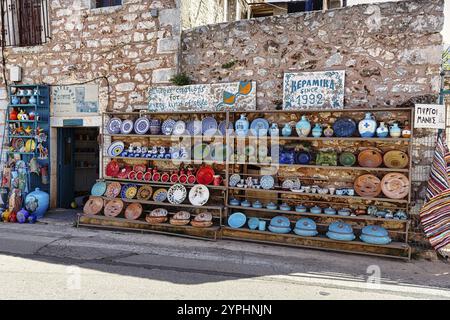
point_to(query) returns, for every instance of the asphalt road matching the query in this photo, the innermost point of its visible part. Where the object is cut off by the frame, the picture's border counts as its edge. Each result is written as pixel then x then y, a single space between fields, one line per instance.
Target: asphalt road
pixel 57 261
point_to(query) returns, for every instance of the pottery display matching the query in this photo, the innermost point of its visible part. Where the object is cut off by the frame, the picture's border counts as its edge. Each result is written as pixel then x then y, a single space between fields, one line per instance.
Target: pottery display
pixel 37 202
pixel 326 159
pixel 370 158
pixel 303 127
pixel 395 131
pixel 396 159
pixel 280 224
pixel 328 131
pixel 303 157
pixel 395 185
pixel 347 159
pixel 368 126
pixel 382 130
pixel 344 127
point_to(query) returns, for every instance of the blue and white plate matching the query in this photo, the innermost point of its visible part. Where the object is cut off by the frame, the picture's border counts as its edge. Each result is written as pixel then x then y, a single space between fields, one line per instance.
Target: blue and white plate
pixel 116 148
pixel 179 128
pixel 194 127
pixel 223 127
pixel 209 126
pixel 114 125
pixel 267 182
pixel 234 180
pixel 237 220
pixel 126 127
pixel 142 125
pixel 98 189
pixel 259 127
pixel 167 127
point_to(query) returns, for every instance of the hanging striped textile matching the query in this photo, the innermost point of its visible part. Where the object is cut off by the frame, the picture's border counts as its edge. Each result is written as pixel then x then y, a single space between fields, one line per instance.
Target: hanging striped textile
pixel 440 170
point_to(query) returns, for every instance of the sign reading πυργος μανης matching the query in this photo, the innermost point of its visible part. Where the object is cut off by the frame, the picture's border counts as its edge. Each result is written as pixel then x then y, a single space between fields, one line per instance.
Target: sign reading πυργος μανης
pixel 314 90
pixel 431 116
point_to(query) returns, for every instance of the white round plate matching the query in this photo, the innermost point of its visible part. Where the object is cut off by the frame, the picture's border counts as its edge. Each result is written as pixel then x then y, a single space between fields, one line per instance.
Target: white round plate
pixel 234 180
pixel 267 182
pixel 288 184
pixel 114 125
pixel 176 194
pixel 167 127
pixel 116 148
pixel 126 127
pixel 179 128
pixel 199 195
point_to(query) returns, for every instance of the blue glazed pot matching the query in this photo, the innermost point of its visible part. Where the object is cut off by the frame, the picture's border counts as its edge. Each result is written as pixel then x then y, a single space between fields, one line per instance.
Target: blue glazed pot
pixel 301 209
pixel 306 224
pixel 303 157
pixel 368 126
pixel 274 130
pixel 382 130
pixel 303 127
pixel 285 207
pixel 287 156
pixel 287 130
pixel 341 236
pixel 279 229
pixel 395 131
pixel 280 221
pixel 15 100
pixel 316 210
pixel 22 216
pixel 242 126
pixel 375 235
pixel 340 231
pixel 271 206
pixel 317 131
pixel 37 202
pixel 32 100
pixel 330 211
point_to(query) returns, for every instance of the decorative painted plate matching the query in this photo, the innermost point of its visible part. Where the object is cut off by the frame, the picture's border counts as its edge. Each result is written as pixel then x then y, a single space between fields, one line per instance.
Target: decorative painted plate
pixel 113 190
pixel 209 126
pixel 370 158
pixel 160 195
pixel 167 127
pixel 344 127
pixel 141 125
pixel 133 211
pixel 347 159
pixel 267 182
pixel 98 189
pixel 194 127
pixel 199 195
pixel 223 127
pixel 116 148
pixel 259 127
pixel 395 185
pixel 234 180
pixel 17 143
pixel 113 126
pixel 144 193
pixel 113 208
pixel 287 184
pixel 176 194
pixel 205 175
pixel 159 212
pixel 129 191
pixel 395 159
pixel 367 185
pixel 126 127
pixel 237 220
pixel 179 128
pixel 112 168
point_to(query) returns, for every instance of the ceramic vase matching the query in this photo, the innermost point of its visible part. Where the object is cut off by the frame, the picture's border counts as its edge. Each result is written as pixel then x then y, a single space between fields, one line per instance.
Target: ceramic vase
pixel 303 127
pixel 287 130
pixel 32 100
pixel 395 131
pixel 328 131
pixel 15 100
pixel 242 126
pixel 37 202
pixel 274 130
pixel 382 130
pixel 317 131
pixel 367 126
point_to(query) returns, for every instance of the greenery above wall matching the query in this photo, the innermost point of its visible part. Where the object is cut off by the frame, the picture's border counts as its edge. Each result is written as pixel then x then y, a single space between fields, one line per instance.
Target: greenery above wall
pixel 181 79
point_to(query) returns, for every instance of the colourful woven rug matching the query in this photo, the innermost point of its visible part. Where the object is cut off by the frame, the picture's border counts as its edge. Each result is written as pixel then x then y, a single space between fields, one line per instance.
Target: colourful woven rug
pixel 440 169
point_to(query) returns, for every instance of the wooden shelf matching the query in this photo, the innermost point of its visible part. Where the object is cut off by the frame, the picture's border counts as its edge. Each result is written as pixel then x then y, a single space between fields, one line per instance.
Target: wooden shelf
pixel 296 138
pixel 161 184
pixel 163 136
pixel 173 160
pixel 299 166
pixel 168 204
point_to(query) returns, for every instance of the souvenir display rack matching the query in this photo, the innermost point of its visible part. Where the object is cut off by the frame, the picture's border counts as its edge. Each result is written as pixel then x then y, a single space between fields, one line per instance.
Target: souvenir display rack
pixel 215 204
pixel 318 174
pixel 30 105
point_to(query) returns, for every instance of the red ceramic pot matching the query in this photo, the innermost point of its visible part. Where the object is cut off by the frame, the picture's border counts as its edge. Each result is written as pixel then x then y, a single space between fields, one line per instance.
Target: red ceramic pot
pixel 156 176
pixel 132 175
pixel 147 176
pixel 165 177
pixel 139 175
pixel 183 179
pixel 191 179
pixel 174 178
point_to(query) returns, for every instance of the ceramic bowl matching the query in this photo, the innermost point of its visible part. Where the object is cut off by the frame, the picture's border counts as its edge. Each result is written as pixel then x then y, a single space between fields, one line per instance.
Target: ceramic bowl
pixel 341 236
pixel 275 229
pixel 237 220
pixel 301 209
pixel 253 223
pixel 340 227
pixel 306 224
pixel 305 233
pixel 280 221
pixel 271 206
pixel 285 207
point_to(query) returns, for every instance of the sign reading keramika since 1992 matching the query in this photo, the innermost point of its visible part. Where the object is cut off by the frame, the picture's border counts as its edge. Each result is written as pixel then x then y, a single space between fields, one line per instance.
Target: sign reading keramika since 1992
pixel 204 97
pixel 314 90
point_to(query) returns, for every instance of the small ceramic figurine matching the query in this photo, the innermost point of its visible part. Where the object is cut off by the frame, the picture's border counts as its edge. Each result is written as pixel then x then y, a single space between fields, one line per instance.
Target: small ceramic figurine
pixel 367 126
pixel 274 130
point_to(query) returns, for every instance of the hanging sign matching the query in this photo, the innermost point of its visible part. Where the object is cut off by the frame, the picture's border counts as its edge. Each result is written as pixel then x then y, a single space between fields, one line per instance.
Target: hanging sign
pixel 431 116
pixel 75 99
pixel 204 97
pixel 314 90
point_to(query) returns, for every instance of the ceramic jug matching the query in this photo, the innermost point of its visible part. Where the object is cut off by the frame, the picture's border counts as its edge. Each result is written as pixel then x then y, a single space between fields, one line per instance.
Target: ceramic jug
pixel 382 130
pixel 32 100
pixel 303 127
pixel 328 132
pixel 37 202
pixel 395 131
pixel 287 130
pixel 242 126
pixel 317 131
pixel 274 130
pixel 367 126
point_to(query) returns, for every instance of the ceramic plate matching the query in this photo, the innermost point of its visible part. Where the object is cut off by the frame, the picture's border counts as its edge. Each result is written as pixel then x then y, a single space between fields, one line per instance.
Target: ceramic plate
pixel 98 189
pixel 209 126
pixel 199 195
pixel 200 151
pixel 344 127
pixel 167 127
pixel 113 190
pixel 367 185
pixel 395 185
pixel 160 195
pixel 395 159
pixel 347 159
pixel 129 191
pixel 194 127
pixel 116 148
pixel 179 128
pixel 237 220
pixel 234 180
pixel 176 194
pixel 223 127
pixel 126 127
pixel 144 193
pixel 267 182
pixel 113 126
pixel 142 125
pixel 259 127
pixel 287 184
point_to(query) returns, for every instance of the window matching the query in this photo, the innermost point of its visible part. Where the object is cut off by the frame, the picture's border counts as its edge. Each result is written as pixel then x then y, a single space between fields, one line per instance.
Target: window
pixel 106 3
pixel 24 22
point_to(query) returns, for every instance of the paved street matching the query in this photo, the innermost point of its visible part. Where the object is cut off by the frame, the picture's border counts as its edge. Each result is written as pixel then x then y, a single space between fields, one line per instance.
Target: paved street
pixel 53 260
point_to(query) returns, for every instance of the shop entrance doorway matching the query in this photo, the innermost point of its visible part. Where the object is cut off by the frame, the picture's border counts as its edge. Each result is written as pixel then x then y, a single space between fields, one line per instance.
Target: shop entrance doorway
pixel 78 164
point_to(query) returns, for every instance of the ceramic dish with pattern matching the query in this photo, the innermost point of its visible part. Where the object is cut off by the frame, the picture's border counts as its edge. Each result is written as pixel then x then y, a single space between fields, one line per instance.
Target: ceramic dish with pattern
pixel 267 182
pixel 160 195
pixel 199 195
pixel 116 148
pixel 113 126
pixel 253 223
pixel 396 159
pixel 113 190
pixel 194 127
pixel 141 125
pixel 129 191
pixel 176 194
pixel 179 128
pixel 200 151
pixel 237 220
pixel 259 127
pixel 126 127
pixel 234 180
pixel 223 127
pixel 344 127
pixel 209 126
pixel 144 193
pixel 167 127
pixel 98 189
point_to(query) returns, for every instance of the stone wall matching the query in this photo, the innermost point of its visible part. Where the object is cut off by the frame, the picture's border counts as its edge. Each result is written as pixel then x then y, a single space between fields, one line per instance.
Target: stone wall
pixel 124 43
pixel 391 51
pixel 196 13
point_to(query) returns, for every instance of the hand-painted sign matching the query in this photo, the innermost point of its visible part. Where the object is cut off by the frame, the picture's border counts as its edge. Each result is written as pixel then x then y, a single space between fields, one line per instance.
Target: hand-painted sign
pixel 76 99
pixel 204 97
pixel 431 116
pixel 314 90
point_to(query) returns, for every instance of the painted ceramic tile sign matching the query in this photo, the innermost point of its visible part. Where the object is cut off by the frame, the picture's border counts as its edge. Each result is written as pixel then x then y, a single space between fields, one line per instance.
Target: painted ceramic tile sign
pixel 314 90
pixel 75 99
pixel 204 97
pixel 431 116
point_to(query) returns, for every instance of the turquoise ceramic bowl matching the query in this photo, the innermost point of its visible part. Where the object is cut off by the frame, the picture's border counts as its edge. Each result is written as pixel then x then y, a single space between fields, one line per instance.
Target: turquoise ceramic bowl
pixel 341 236
pixel 280 221
pixel 305 233
pixel 237 220
pixel 253 223
pixel 375 240
pixel 306 224
pixel 275 229
pixel 340 227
